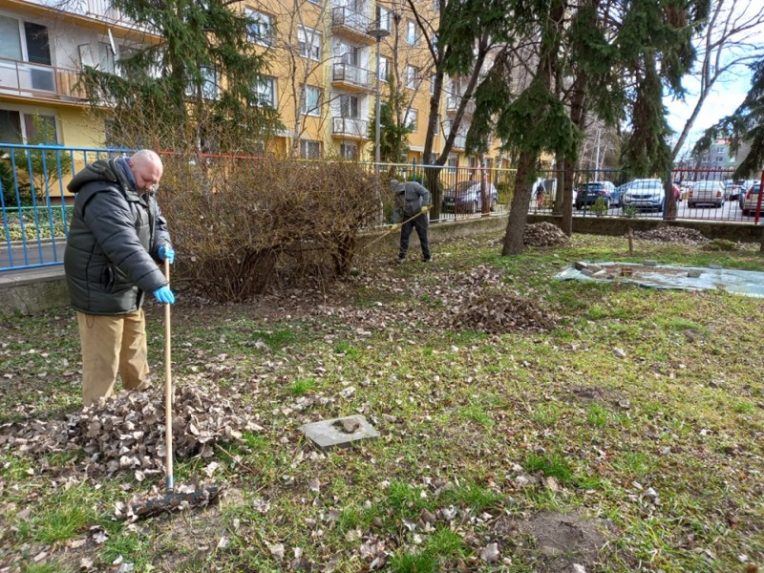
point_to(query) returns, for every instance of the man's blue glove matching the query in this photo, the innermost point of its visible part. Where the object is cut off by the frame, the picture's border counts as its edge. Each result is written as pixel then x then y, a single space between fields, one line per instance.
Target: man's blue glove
pixel 166 253
pixel 164 295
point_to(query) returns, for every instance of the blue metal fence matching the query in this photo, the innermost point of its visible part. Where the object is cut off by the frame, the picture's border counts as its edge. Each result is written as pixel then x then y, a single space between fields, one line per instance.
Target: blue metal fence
pixel 34 203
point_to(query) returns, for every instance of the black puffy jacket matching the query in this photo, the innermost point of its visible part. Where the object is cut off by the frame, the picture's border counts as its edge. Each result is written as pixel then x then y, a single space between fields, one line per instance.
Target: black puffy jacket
pixel 114 238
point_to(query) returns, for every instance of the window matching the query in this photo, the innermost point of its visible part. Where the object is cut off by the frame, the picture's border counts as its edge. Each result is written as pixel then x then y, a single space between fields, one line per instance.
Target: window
pixel 412 75
pixel 10 126
pixel 265 91
pixel 102 59
pixel 349 151
pixel 310 149
pixel 309 42
pixel 383 18
pixel 410 119
pixel 410 32
pixel 206 85
pixel 10 41
pixel 21 127
pixel 384 69
pixel 27 42
pixel 38 48
pixel 260 30
pixel 349 106
pixel 311 101
pixel 34 38
pixel 348 54
pixel 453 163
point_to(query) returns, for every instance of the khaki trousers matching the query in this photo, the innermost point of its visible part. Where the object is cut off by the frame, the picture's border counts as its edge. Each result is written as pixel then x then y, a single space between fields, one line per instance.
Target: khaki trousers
pixel 111 345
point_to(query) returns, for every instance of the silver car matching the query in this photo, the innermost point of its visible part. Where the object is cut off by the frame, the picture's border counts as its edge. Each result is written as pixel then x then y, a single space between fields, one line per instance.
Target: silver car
pixel 706 192
pixel 749 199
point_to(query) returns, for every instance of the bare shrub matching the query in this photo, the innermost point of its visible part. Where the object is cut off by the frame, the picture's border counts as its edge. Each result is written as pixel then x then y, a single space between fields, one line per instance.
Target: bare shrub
pixel 244 224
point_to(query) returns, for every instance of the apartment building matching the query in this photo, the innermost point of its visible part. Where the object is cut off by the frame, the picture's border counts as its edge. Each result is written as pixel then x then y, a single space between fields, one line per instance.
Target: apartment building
pixel 322 75
pixel 43 48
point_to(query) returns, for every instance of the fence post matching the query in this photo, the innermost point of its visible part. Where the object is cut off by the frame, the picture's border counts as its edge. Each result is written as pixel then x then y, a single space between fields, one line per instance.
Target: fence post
pixel 758 200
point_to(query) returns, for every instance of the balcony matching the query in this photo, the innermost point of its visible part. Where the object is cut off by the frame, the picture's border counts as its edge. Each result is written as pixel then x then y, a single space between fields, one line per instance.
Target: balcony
pixel 38 81
pixel 350 128
pixel 452 104
pixel 351 24
pixel 101 10
pixel 350 78
pixel 460 141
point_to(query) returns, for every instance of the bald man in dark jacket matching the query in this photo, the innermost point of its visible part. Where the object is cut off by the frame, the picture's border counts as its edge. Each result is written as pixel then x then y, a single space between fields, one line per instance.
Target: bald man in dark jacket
pixel 117 237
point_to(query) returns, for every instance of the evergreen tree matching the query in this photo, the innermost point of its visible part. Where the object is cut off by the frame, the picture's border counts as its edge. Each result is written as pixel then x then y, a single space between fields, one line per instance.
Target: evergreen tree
pixel 194 88
pixel 393 137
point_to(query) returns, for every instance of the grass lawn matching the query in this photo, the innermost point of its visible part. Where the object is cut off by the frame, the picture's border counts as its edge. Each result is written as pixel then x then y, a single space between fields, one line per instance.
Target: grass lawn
pixel 641 415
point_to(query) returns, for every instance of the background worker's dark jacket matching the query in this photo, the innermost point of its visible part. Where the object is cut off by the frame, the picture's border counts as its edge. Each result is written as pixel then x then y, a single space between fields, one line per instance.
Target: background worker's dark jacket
pixel 113 242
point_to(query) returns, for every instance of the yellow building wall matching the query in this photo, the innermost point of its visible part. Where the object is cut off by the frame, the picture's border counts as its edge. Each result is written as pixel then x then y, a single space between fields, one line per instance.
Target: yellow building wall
pixel 80 128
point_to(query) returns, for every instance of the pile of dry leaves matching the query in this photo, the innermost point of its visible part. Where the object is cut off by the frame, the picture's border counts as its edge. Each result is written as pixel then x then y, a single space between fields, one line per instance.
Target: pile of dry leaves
pixel 544 235
pixel 670 234
pixel 498 312
pixel 126 432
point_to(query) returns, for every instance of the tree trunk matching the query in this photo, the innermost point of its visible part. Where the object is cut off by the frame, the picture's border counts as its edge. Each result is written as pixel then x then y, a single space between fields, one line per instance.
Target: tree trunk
pixel 567 196
pixel 518 214
pixel 688 125
pixel 559 177
pixel 669 201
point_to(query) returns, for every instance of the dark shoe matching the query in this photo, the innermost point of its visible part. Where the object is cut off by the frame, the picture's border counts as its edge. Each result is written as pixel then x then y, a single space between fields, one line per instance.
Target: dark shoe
pixel 399 260
pixel 427 260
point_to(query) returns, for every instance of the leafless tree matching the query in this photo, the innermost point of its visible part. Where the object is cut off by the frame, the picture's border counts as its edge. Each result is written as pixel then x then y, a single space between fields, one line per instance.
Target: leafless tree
pixel 733 38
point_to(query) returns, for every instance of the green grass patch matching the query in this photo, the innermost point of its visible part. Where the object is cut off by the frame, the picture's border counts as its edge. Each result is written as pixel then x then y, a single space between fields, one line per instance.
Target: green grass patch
pixel 476 413
pixel 473 496
pixel 597 415
pixel 302 386
pixel 422 562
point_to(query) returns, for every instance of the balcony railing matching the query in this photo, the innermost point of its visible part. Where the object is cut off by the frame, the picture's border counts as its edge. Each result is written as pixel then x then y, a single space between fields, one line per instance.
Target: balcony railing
pixel 343 17
pixel 350 74
pixel 452 104
pixel 350 127
pixel 99 9
pixel 26 78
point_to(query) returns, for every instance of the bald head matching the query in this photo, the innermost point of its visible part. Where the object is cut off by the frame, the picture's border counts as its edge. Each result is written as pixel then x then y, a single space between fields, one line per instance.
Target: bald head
pixel 147 169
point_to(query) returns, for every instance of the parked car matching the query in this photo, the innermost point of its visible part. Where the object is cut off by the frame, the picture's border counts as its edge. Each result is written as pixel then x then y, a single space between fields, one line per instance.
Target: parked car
pixel 588 193
pixel 616 197
pixel 749 200
pixel 465 197
pixel 706 192
pixel 644 194
pixel 732 189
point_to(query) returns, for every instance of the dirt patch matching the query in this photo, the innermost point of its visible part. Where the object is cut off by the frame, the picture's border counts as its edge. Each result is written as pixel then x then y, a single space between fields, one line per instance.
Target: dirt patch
pixel 557 542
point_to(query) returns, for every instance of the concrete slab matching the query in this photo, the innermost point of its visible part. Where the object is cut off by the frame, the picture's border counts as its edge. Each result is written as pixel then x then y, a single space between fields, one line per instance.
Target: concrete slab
pixel 339 431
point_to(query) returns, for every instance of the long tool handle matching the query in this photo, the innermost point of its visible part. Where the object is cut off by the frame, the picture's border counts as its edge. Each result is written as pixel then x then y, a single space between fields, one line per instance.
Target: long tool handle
pixel 168 386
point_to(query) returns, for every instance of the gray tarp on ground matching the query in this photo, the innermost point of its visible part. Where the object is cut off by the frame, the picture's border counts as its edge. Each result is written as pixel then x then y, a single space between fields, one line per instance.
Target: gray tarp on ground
pixel 748 283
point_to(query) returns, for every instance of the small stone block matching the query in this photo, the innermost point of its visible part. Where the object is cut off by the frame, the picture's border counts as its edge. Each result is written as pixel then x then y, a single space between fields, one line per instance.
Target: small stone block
pixel 339 431
pixel 693 274
pixel 580 265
